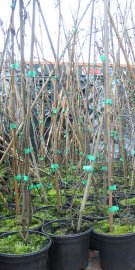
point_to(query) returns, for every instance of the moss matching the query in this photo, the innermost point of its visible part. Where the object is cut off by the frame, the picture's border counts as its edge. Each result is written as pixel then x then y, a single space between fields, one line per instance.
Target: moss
pixel 118 229
pixel 92 210
pixel 77 202
pixel 52 192
pixel 128 201
pixel 14 244
pixel 51 200
pixel 6 198
pixel 3 170
pixel 13 224
pixel 51 213
pixel 66 228
pixel 5 212
pixel 89 210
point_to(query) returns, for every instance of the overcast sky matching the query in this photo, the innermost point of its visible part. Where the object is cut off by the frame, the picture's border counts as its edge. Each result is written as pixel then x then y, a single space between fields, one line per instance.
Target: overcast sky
pixel 68 10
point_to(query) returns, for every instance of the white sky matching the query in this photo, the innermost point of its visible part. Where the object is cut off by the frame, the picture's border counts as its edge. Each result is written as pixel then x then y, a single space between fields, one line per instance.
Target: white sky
pixel 68 8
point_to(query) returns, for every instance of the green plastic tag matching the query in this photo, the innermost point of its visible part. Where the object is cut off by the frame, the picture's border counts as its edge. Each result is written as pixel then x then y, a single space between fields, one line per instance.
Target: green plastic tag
pixel 25 178
pixel 114 209
pixel 12 5
pixel 14 66
pixel 114 133
pixel 84 181
pixel 59 152
pixel 41 121
pixel 89 157
pixel 104 168
pixel 55 166
pixel 88 168
pixel 50 186
pixel 13 126
pixel 133 152
pixel 103 57
pixel 55 110
pixel 81 153
pixel 121 159
pixel 31 187
pixel 56 77
pixel 31 73
pixel 63 110
pixel 18 177
pixel 42 158
pixel 39 185
pixel 28 150
pixel 74 29
pixel 111 188
pixel 116 81
pixel 108 101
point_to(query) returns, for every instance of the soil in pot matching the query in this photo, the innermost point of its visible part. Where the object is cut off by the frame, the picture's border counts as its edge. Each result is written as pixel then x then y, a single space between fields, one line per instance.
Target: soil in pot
pixel 128 201
pixel 70 249
pixel 15 253
pixel 116 249
pixel 11 224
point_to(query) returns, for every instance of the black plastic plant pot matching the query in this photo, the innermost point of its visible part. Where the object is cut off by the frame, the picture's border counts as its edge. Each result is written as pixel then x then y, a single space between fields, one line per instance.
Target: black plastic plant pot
pixel 68 252
pixel 31 261
pixel 117 252
pixel 93 239
pixel 36 228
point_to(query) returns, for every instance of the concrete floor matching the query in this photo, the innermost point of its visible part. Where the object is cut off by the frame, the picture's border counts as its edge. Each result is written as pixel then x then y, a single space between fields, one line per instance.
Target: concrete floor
pixel 94 263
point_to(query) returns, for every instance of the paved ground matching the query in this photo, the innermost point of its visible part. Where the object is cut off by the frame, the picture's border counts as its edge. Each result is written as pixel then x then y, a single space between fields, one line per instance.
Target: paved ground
pixel 94 263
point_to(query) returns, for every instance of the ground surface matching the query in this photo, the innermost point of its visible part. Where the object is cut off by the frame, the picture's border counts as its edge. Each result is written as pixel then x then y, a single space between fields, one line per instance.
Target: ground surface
pixel 94 263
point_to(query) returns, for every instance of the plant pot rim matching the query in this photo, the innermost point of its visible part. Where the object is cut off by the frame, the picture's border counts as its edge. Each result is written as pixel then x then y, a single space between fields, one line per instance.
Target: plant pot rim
pixel 26 254
pixel 11 217
pixel 43 207
pixel 69 236
pixel 95 218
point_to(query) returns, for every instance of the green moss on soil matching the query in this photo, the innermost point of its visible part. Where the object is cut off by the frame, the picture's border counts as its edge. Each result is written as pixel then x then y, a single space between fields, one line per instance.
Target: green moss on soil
pixel 118 228
pixel 66 228
pixel 13 224
pixel 50 213
pixel 14 244
pixel 128 201
pixel 5 212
